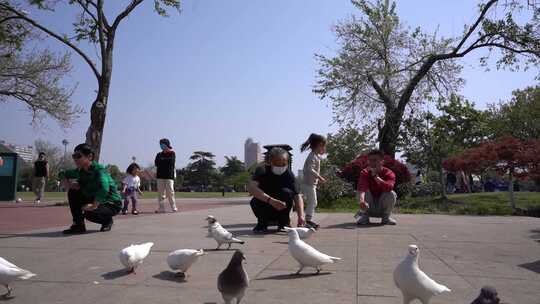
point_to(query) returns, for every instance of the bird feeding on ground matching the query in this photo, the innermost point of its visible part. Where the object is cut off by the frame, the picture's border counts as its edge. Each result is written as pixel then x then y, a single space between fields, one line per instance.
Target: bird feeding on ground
pixel 181 260
pixel 306 255
pixel 234 280
pixel 134 255
pixel 413 282
pixel 220 234
pixel 488 295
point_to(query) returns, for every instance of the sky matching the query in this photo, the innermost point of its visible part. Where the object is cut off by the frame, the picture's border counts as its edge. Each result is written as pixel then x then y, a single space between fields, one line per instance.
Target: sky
pixel 222 71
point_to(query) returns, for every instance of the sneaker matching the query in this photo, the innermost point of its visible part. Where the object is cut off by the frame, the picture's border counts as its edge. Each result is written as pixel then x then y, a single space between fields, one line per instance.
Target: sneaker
pixel 311 224
pixel 37 201
pixel 75 229
pixel 388 221
pixel 363 220
pixel 135 212
pixel 175 210
pixel 124 212
pixel 260 229
pixel 281 229
pixel 106 227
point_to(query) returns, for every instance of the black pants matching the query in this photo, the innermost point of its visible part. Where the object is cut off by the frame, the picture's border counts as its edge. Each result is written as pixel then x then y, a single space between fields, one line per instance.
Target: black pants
pixel 103 214
pixel 265 213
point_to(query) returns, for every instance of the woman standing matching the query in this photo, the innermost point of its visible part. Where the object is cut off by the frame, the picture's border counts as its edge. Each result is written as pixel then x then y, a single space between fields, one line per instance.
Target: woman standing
pixel 165 164
pixel 93 194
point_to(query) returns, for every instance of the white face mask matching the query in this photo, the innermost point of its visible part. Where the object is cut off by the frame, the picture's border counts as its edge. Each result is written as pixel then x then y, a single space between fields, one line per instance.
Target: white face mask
pixel 279 170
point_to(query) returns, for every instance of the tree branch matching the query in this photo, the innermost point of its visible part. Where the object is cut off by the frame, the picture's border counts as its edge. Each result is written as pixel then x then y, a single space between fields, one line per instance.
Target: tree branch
pixel 475 25
pixel 127 11
pixel 86 10
pixel 54 35
pixel 387 101
pixel 100 23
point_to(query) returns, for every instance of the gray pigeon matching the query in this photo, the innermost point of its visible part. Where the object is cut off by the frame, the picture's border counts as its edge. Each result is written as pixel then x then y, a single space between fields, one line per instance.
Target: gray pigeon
pixel 233 281
pixel 488 295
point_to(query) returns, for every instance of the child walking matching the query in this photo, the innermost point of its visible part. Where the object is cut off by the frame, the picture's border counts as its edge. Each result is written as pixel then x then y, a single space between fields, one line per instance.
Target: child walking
pixel 312 168
pixel 130 187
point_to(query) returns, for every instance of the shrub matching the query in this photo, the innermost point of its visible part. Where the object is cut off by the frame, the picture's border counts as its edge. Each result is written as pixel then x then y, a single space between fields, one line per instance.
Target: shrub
pixel 333 189
pixel 427 189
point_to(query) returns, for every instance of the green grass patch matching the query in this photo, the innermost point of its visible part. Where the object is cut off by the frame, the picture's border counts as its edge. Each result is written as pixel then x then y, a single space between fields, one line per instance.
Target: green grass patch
pixel 494 203
pixel 57 196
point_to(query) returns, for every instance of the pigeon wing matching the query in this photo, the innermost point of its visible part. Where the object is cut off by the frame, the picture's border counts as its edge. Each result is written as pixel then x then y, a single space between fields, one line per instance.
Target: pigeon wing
pixel 309 256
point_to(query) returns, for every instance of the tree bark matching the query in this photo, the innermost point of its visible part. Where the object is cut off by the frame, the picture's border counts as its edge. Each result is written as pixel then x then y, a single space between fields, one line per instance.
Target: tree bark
pixel 442 181
pixel 94 134
pixel 389 133
pixel 511 190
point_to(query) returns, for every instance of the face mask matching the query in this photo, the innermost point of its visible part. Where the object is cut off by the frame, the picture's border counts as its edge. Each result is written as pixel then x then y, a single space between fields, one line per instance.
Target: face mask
pixel 279 170
pixel 163 146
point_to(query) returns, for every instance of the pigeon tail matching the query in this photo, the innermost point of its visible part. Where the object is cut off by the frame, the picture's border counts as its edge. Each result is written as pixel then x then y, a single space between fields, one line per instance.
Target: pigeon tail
pixel 239 241
pixel 27 275
pixel 335 259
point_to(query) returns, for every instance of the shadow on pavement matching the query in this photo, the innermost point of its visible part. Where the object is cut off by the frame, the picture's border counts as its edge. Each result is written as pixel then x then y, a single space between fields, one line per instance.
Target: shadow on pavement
pixel 115 274
pixel 232 226
pixel 535 235
pixel 292 276
pixel 170 276
pixel 48 234
pixel 534 266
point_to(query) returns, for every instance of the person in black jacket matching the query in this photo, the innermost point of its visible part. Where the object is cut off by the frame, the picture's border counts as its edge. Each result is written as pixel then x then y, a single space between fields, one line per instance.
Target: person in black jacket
pixel 41 172
pixel 165 175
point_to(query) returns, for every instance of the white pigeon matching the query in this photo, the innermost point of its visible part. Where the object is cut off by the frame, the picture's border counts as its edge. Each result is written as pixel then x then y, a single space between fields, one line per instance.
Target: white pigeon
pixel 305 233
pixel 133 256
pixel 183 259
pixel 413 282
pixel 220 234
pixel 10 272
pixel 306 255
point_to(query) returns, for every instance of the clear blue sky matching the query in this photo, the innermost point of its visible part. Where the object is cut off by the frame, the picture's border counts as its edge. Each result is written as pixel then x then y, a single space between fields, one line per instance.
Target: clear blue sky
pixel 222 71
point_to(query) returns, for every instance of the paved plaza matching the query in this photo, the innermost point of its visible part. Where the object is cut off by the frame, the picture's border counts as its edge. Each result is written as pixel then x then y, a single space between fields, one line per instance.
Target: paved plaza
pixel 463 253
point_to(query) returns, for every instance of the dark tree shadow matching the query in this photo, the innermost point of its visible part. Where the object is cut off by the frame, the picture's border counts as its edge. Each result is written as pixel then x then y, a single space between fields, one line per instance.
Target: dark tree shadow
pixel 352 226
pixel 534 266
pixel 232 226
pixel 223 248
pixel 293 276
pixel 535 235
pixel 113 275
pixel 170 276
pixel 48 234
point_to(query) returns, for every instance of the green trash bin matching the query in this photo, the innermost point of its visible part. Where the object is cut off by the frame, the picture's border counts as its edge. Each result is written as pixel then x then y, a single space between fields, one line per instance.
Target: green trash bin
pixel 8 176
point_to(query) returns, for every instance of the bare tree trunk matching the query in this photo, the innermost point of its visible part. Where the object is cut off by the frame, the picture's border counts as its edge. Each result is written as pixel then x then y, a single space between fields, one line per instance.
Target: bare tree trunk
pixel 443 182
pixel 389 133
pixel 511 190
pixel 94 134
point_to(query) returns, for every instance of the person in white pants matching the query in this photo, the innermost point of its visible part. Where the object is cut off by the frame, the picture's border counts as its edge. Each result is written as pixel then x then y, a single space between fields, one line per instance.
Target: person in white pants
pixel 312 168
pixel 165 164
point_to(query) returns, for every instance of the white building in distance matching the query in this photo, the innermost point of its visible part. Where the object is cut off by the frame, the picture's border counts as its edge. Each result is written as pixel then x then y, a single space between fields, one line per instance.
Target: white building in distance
pixel 252 153
pixel 26 153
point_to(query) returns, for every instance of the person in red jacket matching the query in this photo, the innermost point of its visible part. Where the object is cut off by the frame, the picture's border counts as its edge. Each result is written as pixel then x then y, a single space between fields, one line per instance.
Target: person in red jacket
pixel 375 190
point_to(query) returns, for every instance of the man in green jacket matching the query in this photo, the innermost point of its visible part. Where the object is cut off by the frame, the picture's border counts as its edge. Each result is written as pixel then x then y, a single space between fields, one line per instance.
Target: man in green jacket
pixel 93 194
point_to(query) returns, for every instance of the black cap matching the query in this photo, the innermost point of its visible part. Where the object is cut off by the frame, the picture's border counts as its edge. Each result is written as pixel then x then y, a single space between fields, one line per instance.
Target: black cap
pixel 166 142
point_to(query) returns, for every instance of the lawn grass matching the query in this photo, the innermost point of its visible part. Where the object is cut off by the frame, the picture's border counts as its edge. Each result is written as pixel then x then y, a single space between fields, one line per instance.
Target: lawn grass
pixel 56 196
pixel 493 203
